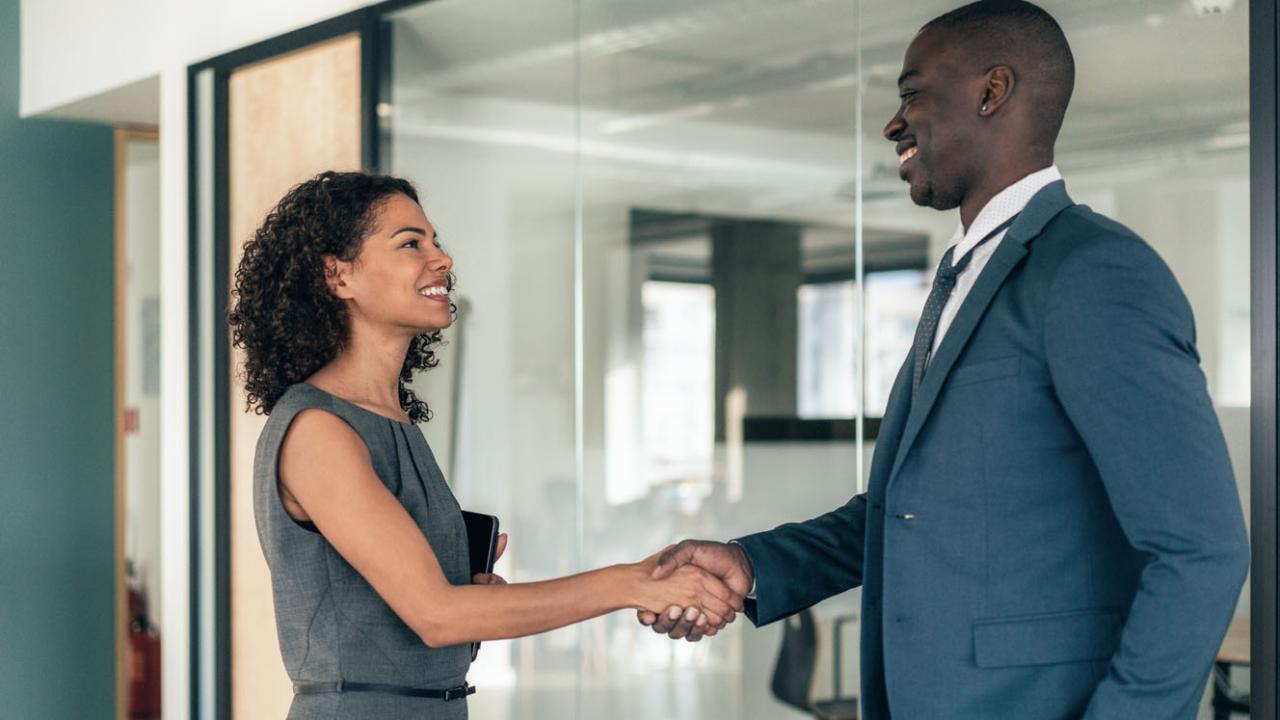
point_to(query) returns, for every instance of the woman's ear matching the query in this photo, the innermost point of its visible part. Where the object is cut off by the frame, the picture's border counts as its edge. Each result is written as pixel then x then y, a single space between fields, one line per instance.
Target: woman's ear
pixel 336 273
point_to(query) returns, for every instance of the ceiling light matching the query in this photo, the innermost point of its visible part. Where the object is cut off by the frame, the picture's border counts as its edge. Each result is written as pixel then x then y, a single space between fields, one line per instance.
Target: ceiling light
pixel 1213 7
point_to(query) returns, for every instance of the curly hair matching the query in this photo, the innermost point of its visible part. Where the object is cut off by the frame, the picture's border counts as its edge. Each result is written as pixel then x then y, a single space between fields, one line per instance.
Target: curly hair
pixel 283 313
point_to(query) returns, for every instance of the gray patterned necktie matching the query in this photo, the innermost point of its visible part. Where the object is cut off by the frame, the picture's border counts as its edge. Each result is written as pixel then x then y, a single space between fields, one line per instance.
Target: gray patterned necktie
pixel 943 283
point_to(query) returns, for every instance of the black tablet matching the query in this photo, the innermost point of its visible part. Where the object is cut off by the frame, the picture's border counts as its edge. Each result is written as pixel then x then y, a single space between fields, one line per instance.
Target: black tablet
pixel 482 540
pixel 482 544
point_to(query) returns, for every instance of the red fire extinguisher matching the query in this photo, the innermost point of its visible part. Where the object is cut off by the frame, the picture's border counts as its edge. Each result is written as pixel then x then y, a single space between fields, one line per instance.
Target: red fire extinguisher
pixel 144 655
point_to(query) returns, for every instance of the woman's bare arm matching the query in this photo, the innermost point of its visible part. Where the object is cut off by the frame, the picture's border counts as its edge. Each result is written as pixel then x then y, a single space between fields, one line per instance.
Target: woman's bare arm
pixel 326 476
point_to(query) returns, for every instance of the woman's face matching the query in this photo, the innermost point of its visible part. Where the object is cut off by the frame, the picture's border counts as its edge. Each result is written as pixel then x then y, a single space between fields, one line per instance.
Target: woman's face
pixel 400 278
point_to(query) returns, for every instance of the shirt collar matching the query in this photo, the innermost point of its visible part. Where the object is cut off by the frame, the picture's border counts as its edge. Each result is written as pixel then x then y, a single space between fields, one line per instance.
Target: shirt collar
pixel 1007 203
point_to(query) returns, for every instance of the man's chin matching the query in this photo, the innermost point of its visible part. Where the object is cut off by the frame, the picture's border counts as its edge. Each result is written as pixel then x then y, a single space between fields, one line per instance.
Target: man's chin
pixel 927 196
pixel 944 202
pixel 921 195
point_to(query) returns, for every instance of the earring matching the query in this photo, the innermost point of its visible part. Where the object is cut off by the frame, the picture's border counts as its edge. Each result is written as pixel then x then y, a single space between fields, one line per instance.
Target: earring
pixel 984 108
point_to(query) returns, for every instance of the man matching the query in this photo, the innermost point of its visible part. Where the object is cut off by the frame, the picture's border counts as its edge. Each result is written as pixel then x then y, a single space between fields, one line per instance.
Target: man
pixel 1052 528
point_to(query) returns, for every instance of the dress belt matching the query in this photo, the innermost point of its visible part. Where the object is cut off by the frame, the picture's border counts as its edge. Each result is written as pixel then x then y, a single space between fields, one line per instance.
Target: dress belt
pixel 342 686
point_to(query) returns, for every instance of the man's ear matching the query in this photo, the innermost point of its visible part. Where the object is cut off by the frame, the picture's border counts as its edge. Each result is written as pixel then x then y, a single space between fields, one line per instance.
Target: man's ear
pixel 336 273
pixel 997 90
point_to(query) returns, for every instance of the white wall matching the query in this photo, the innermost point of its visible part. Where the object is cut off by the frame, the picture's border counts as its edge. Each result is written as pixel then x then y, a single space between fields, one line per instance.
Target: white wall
pixel 74 51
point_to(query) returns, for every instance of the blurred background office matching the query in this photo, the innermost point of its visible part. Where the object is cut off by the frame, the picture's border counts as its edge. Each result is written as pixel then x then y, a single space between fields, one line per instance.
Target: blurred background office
pixel 687 270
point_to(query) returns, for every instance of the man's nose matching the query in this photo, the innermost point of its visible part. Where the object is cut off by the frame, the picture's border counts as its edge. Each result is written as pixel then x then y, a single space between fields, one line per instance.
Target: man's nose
pixel 894 129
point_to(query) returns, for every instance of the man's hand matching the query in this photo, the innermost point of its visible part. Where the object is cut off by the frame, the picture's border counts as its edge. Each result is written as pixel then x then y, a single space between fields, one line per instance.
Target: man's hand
pixel 727 561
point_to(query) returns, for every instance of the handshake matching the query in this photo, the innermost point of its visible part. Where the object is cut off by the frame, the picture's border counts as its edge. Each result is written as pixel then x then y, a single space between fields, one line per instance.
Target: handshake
pixel 697 587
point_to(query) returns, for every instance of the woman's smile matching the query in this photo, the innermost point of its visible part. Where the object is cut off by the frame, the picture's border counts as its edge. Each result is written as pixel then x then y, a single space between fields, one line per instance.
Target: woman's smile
pixel 439 292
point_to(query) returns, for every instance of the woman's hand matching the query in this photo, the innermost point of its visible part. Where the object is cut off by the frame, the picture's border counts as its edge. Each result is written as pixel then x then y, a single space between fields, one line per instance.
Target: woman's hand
pixel 727 561
pixel 493 578
pixel 701 596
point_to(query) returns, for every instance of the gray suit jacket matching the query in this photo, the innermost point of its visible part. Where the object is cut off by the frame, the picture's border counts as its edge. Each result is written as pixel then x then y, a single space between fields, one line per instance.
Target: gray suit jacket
pixel 1052 530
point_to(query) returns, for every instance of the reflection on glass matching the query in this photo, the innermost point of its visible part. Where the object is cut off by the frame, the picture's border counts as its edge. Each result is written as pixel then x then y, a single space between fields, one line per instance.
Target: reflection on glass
pixel 678 382
pixel 829 343
pixel 894 299
pixel 827 350
pixel 717 147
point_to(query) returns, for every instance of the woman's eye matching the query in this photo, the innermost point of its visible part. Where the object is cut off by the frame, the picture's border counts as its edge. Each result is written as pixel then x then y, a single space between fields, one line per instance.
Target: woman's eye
pixel 410 244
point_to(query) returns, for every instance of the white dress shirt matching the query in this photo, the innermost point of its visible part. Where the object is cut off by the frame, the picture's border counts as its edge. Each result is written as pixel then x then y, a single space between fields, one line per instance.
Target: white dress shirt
pixel 1007 203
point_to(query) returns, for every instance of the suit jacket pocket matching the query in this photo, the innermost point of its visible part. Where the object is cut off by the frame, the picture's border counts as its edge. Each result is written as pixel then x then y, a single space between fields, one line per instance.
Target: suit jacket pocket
pixel 1047 639
pixel 983 371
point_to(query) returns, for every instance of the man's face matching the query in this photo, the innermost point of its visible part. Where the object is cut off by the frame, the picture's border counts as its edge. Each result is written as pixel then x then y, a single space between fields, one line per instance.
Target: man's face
pixel 934 130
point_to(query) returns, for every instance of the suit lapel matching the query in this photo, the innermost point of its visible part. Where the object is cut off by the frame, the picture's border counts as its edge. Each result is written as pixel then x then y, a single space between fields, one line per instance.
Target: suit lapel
pixel 1042 208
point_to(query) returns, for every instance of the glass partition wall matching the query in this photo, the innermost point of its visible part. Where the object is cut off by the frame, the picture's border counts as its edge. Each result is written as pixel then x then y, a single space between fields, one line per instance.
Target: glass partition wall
pixel 651 211
pixel 688 267
pixel 688 274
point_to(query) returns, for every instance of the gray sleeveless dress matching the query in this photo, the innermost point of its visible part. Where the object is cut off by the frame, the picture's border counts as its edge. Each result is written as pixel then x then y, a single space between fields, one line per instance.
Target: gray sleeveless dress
pixel 331 623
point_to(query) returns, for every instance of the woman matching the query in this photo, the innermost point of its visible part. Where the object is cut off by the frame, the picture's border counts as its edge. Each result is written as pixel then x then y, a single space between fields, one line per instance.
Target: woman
pixel 339 298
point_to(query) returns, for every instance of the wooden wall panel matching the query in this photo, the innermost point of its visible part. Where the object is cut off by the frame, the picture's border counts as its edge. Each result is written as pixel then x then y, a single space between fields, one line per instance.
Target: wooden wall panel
pixel 289 118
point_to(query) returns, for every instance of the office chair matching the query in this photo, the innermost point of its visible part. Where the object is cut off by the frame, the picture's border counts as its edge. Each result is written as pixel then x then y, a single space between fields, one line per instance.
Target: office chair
pixel 795 671
pixel 1227 699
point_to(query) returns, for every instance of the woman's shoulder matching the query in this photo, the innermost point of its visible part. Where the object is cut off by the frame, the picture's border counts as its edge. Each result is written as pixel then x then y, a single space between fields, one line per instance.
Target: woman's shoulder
pixel 308 418
pixel 299 397
pixel 306 414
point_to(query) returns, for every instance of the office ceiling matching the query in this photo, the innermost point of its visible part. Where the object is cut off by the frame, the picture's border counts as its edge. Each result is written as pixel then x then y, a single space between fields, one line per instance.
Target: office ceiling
pixel 1151 73
pixel 750 107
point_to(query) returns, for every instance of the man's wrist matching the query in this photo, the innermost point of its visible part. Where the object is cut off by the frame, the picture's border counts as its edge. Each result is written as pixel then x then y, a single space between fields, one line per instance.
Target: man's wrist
pixel 751 594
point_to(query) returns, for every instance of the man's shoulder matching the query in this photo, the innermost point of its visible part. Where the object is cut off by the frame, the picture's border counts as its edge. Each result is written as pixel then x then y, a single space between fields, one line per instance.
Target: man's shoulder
pixel 1080 234
pixel 1080 225
pixel 1080 247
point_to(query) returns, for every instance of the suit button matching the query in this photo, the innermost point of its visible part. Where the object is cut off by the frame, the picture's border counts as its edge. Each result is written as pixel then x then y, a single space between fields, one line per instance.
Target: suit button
pixel 906 516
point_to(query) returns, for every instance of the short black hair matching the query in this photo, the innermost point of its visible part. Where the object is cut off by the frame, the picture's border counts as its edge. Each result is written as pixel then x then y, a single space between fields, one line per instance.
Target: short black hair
pixel 1026 38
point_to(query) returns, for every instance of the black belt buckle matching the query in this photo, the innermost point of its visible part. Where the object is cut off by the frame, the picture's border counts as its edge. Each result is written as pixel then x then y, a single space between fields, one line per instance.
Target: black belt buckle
pixel 459 692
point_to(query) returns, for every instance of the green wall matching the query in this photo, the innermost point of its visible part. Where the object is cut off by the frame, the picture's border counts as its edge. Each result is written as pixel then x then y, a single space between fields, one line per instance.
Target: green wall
pixel 56 384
